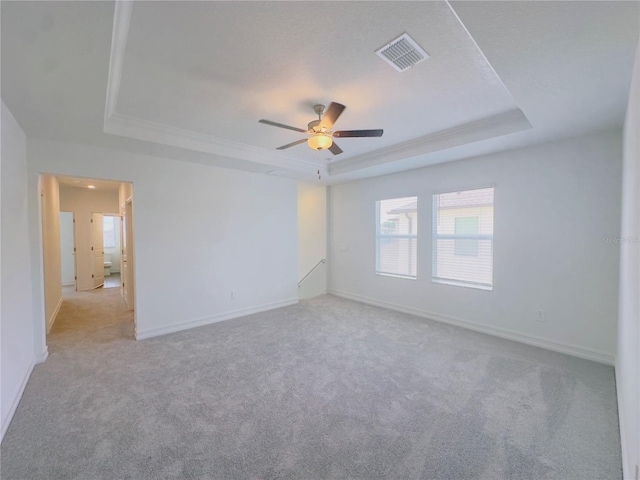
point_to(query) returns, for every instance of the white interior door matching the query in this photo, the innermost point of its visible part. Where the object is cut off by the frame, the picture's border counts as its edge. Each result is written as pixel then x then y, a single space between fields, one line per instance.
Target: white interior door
pixel 67 249
pixel 127 256
pixel 97 249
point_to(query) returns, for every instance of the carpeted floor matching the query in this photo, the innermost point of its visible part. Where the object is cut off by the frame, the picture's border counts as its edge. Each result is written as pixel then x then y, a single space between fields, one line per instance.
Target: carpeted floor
pixel 328 388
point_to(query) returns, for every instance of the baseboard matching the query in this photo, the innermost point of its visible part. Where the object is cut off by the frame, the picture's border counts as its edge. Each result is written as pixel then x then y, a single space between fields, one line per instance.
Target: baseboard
pixel 68 284
pixel 16 400
pixel 52 320
pixel 626 474
pixel 560 347
pixel 199 322
pixel 42 356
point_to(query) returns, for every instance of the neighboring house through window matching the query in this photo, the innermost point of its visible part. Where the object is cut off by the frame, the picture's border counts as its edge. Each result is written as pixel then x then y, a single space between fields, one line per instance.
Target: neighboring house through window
pixel 463 238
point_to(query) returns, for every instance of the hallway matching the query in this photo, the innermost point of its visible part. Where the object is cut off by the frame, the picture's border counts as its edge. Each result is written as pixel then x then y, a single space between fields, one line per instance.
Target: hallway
pixel 112 281
pixel 88 318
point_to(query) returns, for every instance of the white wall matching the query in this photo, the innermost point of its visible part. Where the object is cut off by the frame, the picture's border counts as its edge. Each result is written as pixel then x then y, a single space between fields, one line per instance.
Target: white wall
pixel 553 205
pixel 83 202
pixel 16 310
pixel 223 230
pixel 628 359
pixel 67 257
pixel 312 238
pixel 50 211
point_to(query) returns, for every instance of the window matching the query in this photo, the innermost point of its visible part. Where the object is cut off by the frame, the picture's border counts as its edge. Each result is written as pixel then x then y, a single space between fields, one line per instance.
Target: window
pixel 396 236
pixel 466 226
pixel 463 238
pixel 109 231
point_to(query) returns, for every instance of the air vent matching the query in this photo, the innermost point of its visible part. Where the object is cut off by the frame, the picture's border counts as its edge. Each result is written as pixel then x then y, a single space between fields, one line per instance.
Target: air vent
pixel 402 53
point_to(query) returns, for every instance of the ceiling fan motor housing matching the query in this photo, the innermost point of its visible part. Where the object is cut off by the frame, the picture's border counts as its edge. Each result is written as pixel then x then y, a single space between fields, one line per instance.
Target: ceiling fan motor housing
pixel 314 126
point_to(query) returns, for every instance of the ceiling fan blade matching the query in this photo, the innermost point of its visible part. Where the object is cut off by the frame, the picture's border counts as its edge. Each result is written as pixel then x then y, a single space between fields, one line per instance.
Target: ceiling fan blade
pixel 358 133
pixel 335 149
pixel 292 144
pixel 281 125
pixel 331 115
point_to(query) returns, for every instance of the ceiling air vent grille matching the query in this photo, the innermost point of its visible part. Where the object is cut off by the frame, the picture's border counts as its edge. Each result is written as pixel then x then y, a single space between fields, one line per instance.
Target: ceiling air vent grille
pixel 402 53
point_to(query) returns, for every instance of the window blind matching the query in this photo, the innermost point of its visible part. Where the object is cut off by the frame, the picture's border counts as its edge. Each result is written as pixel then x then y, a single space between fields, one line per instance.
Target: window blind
pixel 397 236
pixel 463 238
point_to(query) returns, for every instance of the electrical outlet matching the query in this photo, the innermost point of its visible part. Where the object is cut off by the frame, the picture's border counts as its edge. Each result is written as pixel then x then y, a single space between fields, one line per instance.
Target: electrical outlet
pixel 540 316
pixel 233 295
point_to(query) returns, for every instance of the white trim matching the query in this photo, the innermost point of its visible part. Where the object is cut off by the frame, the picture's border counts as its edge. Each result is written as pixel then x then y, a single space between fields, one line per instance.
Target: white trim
pixel 52 319
pixel 41 357
pixel 6 421
pixel 490 127
pixel 561 347
pixel 220 317
pixel 626 474
pixel 119 36
pixel 146 130
pixel 68 284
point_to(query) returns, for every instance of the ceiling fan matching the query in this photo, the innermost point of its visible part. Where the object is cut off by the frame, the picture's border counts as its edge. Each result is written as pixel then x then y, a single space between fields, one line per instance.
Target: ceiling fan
pixel 320 130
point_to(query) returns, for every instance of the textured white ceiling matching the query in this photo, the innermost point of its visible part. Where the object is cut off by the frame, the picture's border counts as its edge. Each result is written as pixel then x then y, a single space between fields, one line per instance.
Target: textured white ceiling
pixel 78 182
pixel 218 67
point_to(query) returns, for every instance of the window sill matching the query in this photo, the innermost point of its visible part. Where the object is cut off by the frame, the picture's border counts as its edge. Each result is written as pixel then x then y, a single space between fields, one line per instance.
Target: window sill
pixel 457 283
pixel 406 277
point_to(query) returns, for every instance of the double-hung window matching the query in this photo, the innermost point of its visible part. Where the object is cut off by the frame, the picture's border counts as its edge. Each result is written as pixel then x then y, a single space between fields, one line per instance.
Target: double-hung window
pixel 463 238
pixel 397 237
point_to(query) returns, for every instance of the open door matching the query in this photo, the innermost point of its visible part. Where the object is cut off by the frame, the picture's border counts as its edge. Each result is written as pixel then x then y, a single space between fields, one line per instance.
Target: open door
pixel 97 249
pixel 67 250
pixel 127 255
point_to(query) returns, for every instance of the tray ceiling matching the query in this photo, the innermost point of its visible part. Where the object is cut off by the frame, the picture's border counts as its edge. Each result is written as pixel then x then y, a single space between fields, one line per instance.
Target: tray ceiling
pixel 201 77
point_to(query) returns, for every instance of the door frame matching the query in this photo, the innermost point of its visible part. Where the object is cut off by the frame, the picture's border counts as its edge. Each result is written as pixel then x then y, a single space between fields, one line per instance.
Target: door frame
pixel 130 255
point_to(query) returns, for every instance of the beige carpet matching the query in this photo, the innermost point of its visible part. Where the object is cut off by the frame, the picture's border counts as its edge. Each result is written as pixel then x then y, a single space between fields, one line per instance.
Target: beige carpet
pixel 96 317
pixel 328 388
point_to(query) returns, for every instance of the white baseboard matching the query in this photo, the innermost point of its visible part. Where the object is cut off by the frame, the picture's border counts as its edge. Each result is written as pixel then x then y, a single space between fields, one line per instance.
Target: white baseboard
pixel 68 284
pixel 626 474
pixel 566 348
pixel 199 322
pixel 15 400
pixel 52 320
pixel 42 356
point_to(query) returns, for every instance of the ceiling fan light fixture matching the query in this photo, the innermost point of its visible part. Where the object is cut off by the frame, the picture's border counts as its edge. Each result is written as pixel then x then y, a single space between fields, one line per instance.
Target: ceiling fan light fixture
pixel 320 141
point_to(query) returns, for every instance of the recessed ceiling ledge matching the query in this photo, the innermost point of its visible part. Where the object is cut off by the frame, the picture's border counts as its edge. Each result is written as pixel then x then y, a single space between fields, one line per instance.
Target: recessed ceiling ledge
pixel 497 125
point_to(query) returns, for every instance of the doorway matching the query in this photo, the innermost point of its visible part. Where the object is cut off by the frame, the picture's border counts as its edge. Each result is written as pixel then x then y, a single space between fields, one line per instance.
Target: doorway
pixel 83 235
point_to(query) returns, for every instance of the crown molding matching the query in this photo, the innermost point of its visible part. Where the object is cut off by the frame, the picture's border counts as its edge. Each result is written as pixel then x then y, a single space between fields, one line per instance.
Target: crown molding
pixel 497 125
pixel 119 36
pixel 149 131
